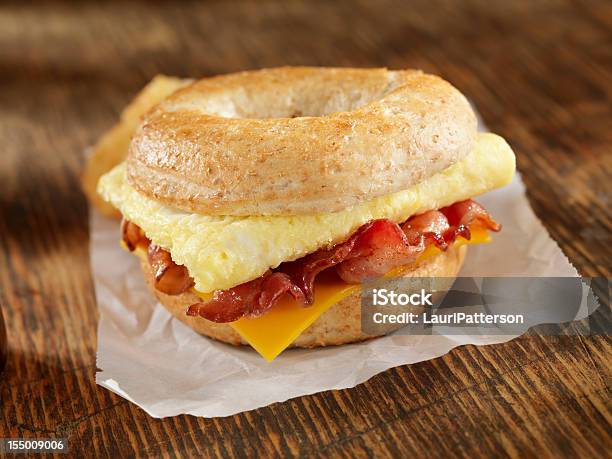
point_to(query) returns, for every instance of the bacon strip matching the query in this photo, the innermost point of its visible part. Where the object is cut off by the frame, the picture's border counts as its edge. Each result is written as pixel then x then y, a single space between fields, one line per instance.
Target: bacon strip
pixel 373 250
pixel 250 299
pixel 469 214
pixel 381 248
pixel 303 271
pixel 170 278
pixel 438 227
pixel 133 236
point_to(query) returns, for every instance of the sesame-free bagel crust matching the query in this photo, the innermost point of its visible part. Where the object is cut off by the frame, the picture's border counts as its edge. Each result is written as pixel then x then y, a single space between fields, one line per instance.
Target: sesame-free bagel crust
pixel 296 140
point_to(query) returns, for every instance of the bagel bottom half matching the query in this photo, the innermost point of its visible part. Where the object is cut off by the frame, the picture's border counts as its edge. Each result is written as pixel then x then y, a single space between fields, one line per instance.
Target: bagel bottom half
pixel 340 324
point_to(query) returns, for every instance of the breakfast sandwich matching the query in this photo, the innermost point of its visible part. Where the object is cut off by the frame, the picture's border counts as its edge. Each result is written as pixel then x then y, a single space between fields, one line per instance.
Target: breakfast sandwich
pixel 259 202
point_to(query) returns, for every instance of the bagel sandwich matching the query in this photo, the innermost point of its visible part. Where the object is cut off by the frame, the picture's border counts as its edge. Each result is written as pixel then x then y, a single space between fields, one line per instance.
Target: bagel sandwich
pixel 259 202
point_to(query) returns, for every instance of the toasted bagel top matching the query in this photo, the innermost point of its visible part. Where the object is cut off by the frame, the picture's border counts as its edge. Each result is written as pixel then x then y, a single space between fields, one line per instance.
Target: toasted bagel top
pixel 295 140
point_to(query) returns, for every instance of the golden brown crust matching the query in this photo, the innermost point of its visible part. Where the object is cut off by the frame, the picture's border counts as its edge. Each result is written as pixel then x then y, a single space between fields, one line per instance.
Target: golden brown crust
pixel 341 324
pixel 298 140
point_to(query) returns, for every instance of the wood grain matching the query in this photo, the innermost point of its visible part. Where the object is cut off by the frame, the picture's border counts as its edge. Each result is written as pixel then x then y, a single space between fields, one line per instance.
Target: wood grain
pixel 540 73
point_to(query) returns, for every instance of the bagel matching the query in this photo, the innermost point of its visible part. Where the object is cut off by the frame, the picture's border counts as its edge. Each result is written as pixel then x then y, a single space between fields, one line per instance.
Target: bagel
pixel 243 194
pixel 298 140
pixel 340 324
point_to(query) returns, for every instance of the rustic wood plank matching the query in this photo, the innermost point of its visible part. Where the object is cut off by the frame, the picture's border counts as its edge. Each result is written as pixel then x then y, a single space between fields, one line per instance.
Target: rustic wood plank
pixel 539 73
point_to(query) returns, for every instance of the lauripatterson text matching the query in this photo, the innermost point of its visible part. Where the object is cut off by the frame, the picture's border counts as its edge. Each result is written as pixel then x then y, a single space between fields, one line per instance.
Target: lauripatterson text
pixel 454 318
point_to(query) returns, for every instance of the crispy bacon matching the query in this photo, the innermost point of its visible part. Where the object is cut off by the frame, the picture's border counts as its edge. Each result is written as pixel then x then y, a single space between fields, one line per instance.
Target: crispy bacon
pixel 469 213
pixel 373 250
pixel 382 247
pixel 133 236
pixel 438 227
pixel 304 270
pixel 250 299
pixel 430 225
pixel 170 278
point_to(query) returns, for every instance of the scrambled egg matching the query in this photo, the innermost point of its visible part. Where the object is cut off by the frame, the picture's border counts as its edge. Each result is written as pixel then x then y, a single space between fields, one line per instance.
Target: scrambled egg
pixel 221 252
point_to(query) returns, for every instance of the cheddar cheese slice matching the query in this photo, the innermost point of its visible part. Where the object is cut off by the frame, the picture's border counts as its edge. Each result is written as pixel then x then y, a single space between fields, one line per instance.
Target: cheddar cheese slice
pixel 273 332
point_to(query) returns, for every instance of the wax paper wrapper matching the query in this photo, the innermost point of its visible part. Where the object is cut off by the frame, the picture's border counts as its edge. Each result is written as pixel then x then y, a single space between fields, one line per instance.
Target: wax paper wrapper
pixel 158 363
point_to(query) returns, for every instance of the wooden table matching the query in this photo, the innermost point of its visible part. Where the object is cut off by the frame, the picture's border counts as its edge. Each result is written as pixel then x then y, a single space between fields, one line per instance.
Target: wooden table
pixel 539 72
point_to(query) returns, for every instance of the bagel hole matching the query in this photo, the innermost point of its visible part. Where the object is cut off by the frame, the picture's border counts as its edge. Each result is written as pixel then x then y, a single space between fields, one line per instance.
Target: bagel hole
pixel 304 98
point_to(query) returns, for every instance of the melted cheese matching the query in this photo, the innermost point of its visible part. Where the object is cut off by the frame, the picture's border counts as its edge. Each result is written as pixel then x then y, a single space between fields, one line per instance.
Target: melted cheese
pixel 273 332
pixel 221 252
